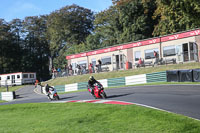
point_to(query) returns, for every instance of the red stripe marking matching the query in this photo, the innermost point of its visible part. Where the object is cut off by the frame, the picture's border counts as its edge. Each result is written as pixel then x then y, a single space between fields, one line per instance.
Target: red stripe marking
pixel 92 101
pixel 73 101
pixel 117 102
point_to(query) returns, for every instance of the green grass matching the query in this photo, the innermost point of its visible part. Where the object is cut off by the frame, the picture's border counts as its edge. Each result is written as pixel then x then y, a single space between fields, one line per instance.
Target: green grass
pixel 11 88
pixel 122 73
pixel 88 117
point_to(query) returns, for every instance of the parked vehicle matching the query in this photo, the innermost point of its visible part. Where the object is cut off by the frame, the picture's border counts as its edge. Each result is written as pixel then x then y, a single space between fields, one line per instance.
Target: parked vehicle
pixel 18 78
pixel 98 91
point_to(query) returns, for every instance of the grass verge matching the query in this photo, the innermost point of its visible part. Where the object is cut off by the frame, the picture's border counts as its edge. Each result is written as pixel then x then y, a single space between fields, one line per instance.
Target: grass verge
pixel 87 117
pixel 122 73
pixel 10 88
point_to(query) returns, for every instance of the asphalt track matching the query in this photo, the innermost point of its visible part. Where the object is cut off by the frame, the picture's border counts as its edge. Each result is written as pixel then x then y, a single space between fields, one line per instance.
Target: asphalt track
pixel 180 99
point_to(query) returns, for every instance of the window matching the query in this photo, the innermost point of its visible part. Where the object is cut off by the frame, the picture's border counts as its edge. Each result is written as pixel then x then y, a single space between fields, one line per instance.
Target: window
pixel 169 51
pixel 137 55
pixel 8 77
pixel 106 60
pixel 94 62
pixel 31 75
pixel 18 76
pixel 0 78
pixel 149 53
pixel 25 75
pixel 83 63
pixel 73 66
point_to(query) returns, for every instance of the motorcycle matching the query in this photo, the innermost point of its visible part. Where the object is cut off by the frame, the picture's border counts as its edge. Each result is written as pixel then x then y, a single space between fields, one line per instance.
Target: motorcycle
pixel 53 95
pixel 98 91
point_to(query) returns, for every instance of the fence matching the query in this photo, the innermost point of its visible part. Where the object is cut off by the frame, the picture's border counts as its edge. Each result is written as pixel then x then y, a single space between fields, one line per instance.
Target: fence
pixel 112 82
pixel 188 75
pixel 7 96
pixel 164 76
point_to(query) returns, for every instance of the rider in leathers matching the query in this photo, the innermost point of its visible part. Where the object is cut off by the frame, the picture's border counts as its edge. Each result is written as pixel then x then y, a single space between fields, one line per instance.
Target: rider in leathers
pixel 47 88
pixel 91 83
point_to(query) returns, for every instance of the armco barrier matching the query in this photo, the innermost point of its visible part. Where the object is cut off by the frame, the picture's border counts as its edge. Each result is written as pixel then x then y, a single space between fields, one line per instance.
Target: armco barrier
pixel 104 82
pixel 196 75
pixel 7 96
pixel 82 85
pixel 185 75
pixel 137 79
pixel 116 81
pixel 71 87
pixel 172 75
pixel 60 88
pixel 156 77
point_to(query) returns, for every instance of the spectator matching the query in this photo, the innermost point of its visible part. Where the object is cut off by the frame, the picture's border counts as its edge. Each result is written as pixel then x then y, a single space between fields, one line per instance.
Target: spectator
pixel 59 72
pixel 156 57
pixel 56 72
pixel 53 73
pixel 93 71
pixel 99 65
pixel 79 69
pixel 36 83
pixel 96 69
pixel 66 70
pixel 70 70
pixel 90 68
pixel 140 63
pixel 84 69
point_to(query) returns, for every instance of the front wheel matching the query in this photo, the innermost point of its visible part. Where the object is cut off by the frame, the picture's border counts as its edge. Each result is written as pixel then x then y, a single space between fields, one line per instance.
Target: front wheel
pixel 103 94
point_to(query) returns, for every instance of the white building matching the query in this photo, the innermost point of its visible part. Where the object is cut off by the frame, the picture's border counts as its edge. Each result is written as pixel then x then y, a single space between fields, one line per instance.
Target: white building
pixel 179 47
pixel 18 78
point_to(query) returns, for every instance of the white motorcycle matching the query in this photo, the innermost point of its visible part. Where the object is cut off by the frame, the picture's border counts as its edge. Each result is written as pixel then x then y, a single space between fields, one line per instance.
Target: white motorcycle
pixel 53 95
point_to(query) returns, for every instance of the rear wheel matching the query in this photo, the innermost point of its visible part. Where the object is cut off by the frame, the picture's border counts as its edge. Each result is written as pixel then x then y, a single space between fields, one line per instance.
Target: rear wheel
pixel 103 94
pixel 57 97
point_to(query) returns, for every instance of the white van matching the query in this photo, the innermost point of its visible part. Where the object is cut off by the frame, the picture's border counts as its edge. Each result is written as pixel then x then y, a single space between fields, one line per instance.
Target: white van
pixel 18 78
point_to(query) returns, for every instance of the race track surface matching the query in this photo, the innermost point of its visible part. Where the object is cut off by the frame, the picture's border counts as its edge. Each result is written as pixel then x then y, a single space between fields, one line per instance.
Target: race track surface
pixel 180 99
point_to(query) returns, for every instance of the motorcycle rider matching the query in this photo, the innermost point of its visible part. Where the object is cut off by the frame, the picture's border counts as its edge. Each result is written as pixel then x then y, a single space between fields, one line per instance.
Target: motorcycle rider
pixel 47 88
pixel 91 83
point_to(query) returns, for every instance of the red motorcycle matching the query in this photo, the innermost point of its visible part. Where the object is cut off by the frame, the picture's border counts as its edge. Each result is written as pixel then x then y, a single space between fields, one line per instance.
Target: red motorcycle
pixel 98 91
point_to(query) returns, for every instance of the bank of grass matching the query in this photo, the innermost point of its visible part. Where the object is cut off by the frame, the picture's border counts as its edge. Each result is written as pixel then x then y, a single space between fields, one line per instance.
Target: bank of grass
pixel 122 73
pixel 10 88
pixel 88 117
pixel 2 101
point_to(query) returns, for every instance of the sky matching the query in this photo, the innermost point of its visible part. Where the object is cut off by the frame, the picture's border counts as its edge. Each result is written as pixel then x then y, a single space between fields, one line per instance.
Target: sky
pixel 12 9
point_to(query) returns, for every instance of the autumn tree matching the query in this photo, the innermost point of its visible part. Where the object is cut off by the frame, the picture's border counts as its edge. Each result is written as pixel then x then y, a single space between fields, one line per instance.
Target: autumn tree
pixel 67 27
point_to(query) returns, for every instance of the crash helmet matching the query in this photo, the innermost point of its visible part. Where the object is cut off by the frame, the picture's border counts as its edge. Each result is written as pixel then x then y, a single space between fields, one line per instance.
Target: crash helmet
pixel 91 78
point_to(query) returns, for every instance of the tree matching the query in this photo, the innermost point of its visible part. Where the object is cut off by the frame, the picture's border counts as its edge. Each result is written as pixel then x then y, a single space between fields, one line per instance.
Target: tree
pixel 36 46
pixel 125 21
pixel 8 47
pixel 67 27
pixel 107 29
pixel 136 19
pixel 176 16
